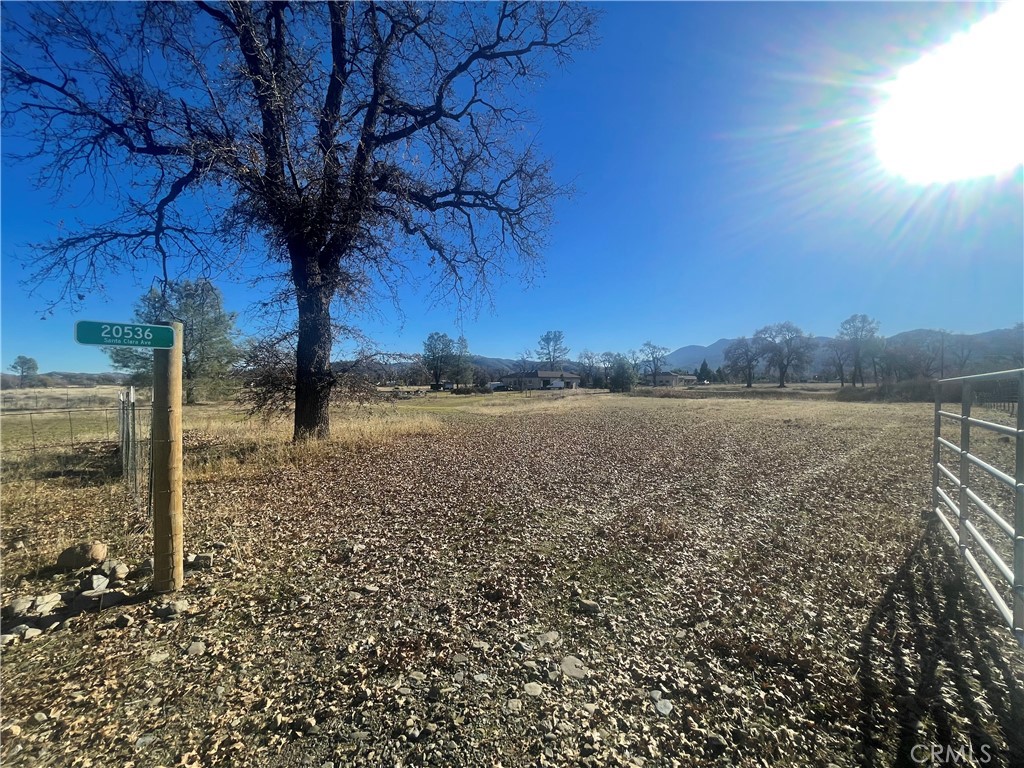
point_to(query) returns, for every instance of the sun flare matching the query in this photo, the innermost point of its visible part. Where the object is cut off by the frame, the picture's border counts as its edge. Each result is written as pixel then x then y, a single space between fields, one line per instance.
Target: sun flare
pixel 958 112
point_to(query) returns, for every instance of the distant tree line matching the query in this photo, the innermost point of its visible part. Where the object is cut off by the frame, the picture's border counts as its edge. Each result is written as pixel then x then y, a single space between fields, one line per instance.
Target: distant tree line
pixel 858 353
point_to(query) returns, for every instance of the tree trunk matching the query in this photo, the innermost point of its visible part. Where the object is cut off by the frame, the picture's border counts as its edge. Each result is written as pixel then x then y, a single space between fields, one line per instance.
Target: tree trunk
pixel 313 377
pixel 782 375
pixel 750 377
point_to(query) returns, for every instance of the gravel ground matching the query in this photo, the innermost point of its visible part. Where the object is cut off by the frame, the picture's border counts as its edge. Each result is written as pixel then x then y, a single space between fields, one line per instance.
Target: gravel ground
pixel 594 581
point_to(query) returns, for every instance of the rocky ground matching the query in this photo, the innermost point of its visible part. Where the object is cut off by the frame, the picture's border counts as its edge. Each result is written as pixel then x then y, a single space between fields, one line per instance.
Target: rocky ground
pixel 598 581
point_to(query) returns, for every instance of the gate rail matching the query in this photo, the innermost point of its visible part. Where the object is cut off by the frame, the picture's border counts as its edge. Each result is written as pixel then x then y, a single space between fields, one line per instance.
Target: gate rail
pixel 962 529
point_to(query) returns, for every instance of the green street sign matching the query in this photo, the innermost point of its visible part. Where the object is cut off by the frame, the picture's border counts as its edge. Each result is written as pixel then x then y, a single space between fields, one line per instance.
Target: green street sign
pixel 124 335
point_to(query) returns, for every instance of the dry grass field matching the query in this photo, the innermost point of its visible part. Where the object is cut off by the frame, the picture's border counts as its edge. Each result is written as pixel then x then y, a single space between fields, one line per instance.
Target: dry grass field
pixel 507 581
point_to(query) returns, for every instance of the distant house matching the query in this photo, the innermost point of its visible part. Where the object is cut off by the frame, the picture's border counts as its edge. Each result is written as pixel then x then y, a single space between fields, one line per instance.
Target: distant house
pixel 673 380
pixel 541 380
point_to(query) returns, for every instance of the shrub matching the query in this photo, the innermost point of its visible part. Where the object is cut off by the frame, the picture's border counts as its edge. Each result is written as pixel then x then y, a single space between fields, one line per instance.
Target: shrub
pixel 918 390
pixel 472 391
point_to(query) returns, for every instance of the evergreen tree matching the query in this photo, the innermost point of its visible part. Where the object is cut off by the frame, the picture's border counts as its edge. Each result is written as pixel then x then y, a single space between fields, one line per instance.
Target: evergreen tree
pixel 705 374
pixel 208 347
pixel 25 367
pixel 623 375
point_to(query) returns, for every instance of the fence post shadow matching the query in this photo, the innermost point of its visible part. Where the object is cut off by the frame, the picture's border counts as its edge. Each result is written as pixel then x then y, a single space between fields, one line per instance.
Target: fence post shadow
pixel 937 666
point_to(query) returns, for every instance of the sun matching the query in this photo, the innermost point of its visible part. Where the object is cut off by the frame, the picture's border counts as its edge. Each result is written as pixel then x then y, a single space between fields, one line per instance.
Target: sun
pixel 958 112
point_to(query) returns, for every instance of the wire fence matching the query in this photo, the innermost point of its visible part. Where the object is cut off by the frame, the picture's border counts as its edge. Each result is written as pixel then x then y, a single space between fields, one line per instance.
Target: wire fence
pixel 83 445
pixel 135 452
pixel 56 398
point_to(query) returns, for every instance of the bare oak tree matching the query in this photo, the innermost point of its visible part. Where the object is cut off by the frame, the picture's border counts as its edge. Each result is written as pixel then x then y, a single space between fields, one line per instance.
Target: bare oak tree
pixel 654 359
pixel 551 350
pixel 860 333
pixel 589 363
pixel 349 139
pixel 784 346
pixel 741 359
pixel 840 352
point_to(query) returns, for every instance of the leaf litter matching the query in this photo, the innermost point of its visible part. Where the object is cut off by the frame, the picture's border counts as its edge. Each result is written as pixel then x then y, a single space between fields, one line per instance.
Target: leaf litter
pixel 615 581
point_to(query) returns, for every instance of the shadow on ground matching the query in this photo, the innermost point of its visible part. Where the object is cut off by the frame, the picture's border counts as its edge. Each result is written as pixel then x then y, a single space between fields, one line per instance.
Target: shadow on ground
pixel 941 677
pixel 90 464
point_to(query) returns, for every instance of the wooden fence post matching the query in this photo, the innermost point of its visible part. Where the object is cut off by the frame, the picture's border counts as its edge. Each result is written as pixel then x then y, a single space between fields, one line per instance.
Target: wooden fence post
pixel 168 536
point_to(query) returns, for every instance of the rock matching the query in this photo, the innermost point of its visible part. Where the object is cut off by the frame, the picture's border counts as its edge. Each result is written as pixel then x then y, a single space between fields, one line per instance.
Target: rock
pixel 7 639
pixel 158 657
pixel 95 581
pixel 664 707
pixel 573 667
pixel 144 741
pixel 46 603
pixel 480 677
pixel 40 717
pixel 219 545
pixel 480 645
pixel 46 623
pixel 19 607
pixel 588 607
pixel 533 689
pixel 82 555
pixel 514 705
pixel 124 621
pixel 655 696
pixel 31 633
pixel 120 571
pixel 19 544
pixel 143 571
pixel 419 677
pixel 460 658
pixel 590 708
pixel 204 560
pixel 369 589
pixel 521 647
pixel 198 648
pixel 171 609
pixel 90 599
pixel 12 732
pixel 716 744
pixel 20 630
pixel 548 638
pixel 112 597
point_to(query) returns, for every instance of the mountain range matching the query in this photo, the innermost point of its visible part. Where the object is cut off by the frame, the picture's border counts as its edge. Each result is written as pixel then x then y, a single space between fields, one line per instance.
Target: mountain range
pixel 986 349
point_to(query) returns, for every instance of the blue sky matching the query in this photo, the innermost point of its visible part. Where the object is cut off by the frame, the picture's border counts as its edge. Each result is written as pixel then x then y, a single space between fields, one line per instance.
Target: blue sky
pixel 725 179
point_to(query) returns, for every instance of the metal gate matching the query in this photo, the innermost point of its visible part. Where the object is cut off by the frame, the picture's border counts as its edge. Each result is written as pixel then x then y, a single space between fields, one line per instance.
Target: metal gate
pixel 990 532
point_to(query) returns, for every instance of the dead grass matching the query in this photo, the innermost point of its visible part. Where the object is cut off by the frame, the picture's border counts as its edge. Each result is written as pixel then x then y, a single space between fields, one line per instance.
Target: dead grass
pixel 226 444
